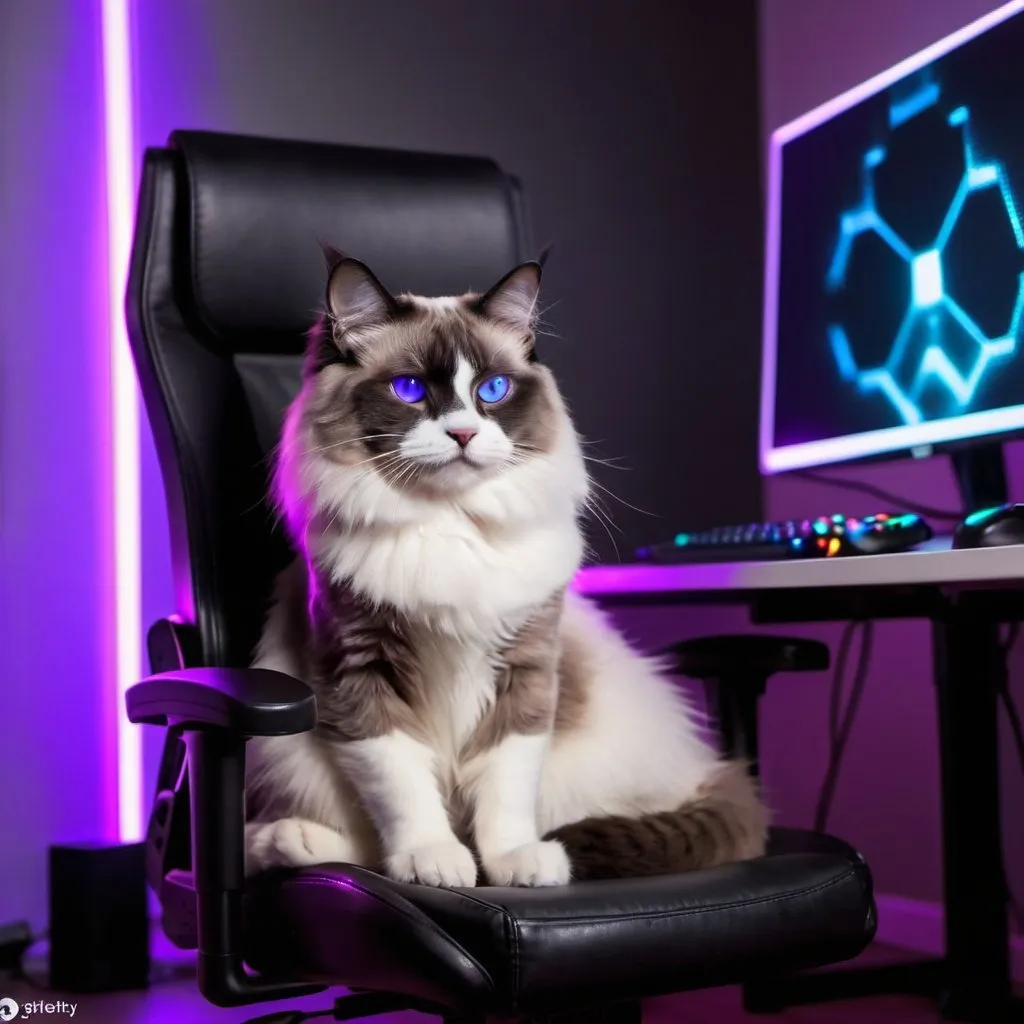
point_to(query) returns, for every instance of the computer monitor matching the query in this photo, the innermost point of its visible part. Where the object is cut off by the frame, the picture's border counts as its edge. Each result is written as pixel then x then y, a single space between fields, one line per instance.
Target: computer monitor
pixel 894 292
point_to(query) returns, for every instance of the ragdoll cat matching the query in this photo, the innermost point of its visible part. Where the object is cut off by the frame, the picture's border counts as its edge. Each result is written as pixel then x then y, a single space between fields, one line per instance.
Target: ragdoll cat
pixel 472 709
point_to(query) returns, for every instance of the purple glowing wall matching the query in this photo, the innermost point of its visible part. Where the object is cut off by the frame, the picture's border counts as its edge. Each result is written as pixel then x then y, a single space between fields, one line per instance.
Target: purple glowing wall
pixel 58 769
pixel 74 468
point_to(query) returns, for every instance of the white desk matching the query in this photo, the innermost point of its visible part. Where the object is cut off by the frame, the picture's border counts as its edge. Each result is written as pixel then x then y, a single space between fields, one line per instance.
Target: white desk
pixel 966 594
pixel 933 564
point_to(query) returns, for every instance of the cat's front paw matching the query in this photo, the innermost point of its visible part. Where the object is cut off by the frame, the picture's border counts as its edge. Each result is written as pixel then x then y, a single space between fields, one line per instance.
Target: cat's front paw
pixel 292 843
pixel 446 864
pixel 535 864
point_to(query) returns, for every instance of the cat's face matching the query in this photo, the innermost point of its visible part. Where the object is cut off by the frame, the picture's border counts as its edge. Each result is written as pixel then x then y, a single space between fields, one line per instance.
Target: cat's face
pixel 430 395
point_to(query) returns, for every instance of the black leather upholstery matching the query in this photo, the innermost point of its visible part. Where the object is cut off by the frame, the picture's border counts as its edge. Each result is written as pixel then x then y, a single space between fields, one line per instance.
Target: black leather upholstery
pixel 426 223
pixel 225 278
pixel 520 950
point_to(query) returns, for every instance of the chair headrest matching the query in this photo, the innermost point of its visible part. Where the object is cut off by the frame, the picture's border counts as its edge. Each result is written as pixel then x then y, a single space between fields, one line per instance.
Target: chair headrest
pixel 257 210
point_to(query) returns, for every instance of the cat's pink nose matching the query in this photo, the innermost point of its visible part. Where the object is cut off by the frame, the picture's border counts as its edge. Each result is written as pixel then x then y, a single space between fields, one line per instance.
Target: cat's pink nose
pixel 462 436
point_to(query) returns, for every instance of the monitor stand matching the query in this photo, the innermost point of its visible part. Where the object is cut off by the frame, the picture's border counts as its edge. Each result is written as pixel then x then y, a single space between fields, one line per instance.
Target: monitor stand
pixel 981 476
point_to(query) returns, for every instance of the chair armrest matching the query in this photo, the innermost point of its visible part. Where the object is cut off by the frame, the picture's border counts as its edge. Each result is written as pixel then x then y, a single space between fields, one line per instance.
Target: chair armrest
pixel 218 710
pixel 247 701
pixel 747 657
pixel 734 670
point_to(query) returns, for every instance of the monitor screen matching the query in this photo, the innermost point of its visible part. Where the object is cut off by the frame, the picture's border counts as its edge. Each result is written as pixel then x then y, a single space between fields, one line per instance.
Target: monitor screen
pixel 894 294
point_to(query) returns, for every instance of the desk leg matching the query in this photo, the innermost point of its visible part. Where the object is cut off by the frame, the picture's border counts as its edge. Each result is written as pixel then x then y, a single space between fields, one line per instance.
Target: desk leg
pixel 973 980
pixel 968 667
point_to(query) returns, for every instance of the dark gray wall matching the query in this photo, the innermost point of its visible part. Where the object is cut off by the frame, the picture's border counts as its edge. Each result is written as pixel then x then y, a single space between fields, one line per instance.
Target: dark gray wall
pixel 635 129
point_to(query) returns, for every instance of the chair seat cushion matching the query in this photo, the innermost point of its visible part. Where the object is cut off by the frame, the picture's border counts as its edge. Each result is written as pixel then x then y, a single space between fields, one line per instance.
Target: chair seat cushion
pixel 500 950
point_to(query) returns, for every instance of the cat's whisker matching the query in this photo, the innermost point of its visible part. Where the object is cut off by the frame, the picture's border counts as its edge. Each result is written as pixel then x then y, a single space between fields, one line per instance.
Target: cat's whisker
pixel 351 440
pixel 623 501
pixel 388 472
pixel 541 327
pixel 592 503
pixel 326 528
pixel 393 473
pixel 409 476
pixel 600 517
pixel 547 334
pixel 610 463
pixel 601 514
pixel 331 522
pixel 375 458
pixel 601 460
pixel 405 473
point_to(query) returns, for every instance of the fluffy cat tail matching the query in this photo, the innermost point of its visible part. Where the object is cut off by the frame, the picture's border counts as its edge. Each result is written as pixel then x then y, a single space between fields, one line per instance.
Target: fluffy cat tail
pixel 726 821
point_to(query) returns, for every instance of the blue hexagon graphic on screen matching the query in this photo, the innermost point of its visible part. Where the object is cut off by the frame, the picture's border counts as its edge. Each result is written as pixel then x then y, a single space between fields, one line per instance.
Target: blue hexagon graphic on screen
pixel 927 275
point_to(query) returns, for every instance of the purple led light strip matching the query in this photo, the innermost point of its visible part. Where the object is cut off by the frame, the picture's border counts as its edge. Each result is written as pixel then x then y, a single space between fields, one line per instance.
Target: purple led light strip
pixel 124 438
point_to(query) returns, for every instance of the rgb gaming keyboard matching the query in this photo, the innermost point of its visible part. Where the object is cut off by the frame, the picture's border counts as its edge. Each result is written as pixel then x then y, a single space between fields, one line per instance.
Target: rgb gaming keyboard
pixel 823 537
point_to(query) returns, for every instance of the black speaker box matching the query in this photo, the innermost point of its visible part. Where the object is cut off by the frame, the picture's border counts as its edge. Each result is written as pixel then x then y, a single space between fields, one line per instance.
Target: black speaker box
pixel 99 917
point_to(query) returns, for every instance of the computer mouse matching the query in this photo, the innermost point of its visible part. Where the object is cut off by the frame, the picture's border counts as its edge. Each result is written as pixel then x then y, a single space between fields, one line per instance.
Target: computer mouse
pixel 991 528
pixel 886 534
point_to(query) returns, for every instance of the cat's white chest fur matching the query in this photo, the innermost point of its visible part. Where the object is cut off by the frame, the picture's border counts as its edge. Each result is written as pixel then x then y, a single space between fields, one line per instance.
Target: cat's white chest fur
pixel 455 578
pixel 458 684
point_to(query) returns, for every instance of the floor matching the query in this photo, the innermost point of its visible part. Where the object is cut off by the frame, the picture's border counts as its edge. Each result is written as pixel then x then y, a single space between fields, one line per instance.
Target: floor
pixel 173 999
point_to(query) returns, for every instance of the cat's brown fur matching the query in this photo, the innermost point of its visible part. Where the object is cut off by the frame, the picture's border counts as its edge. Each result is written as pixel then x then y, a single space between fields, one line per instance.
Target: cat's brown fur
pixel 725 822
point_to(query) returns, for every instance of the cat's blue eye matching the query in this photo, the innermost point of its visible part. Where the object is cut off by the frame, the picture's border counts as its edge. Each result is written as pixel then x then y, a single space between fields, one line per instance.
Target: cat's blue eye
pixel 494 389
pixel 409 389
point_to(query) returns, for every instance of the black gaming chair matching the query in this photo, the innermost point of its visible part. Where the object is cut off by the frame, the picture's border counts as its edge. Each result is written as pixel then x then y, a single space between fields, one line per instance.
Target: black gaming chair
pixel 226 276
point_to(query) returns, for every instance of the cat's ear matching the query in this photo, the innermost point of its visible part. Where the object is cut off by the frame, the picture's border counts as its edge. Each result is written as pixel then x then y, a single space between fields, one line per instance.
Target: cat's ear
pixel 356 300
pixel 332 256
pixel 513 300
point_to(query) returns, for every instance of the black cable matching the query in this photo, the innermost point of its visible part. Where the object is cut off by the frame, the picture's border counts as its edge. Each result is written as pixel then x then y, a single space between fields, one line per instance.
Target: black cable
pixel 899 503
pixel 22 975
pixel 835 697
pixel 1018 736
pixel 1012 712
pixel 835 701
pixel 20 971
pixel 1016 728
pixel 1017 731
pixel 292 1016
pixel 841 726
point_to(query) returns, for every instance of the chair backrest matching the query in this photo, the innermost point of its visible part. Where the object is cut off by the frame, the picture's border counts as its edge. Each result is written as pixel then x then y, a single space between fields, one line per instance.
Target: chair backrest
pixel 226 278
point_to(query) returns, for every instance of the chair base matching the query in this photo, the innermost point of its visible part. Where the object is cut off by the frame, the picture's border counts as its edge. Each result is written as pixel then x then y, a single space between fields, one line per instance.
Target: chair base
pixel 918 977
pixel 356 1006
pixel 617 1013
pixel 928 978
pixel 362 1005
